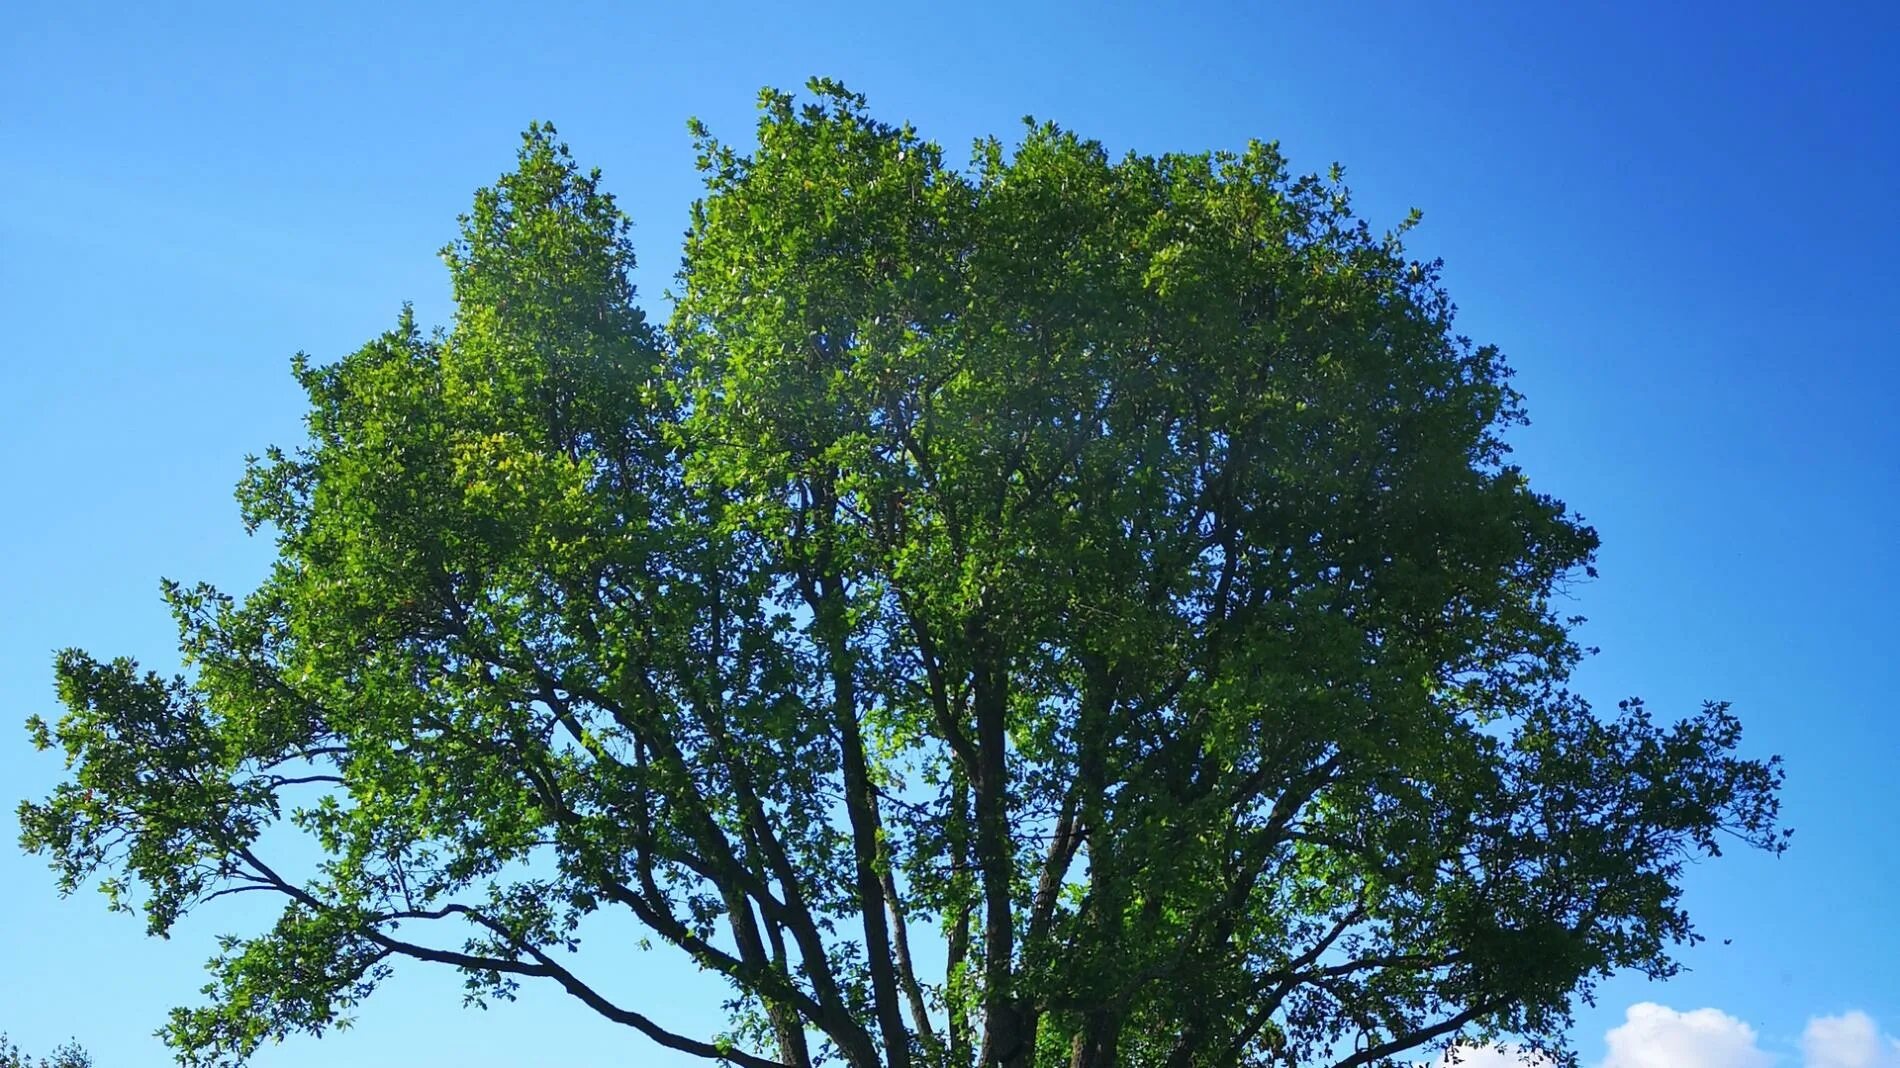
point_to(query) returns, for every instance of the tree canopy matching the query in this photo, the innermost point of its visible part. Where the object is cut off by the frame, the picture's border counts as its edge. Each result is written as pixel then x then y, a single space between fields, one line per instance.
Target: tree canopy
pixel 1055 610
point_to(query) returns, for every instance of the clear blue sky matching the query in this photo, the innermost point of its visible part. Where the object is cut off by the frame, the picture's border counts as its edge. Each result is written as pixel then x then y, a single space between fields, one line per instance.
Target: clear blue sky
pixel 1682 227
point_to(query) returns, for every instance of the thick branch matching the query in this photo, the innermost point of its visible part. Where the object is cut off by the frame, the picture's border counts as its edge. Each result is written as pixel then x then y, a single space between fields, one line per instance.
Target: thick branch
pixel 1419 1037
pixel 544 966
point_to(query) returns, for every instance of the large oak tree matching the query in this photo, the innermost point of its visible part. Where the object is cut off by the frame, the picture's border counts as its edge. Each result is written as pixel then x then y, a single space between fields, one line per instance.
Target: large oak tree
pixel 1057 610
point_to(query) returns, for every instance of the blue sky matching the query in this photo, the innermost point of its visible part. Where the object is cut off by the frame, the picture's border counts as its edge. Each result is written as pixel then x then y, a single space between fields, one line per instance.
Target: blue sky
pixel 1680 226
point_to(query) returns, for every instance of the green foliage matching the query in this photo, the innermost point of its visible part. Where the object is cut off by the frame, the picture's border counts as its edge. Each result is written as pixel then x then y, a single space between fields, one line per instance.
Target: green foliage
pixel 1108 570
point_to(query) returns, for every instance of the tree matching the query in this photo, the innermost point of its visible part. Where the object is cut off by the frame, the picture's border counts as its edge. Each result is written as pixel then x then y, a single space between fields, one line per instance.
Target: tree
pixel 1100 580
pixel 70 1055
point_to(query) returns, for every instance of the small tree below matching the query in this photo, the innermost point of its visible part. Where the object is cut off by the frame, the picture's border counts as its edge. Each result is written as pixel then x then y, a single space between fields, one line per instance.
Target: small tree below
pixel 70 1055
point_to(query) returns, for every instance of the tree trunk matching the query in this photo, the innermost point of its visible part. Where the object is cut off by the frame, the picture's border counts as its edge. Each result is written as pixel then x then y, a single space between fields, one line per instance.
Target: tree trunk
pixel 1096 1042
pixel 1009 1034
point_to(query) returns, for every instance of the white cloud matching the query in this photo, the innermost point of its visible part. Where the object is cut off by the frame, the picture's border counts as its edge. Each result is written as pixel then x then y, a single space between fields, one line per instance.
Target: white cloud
pixel 1656 1036
pixel 1849 1040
